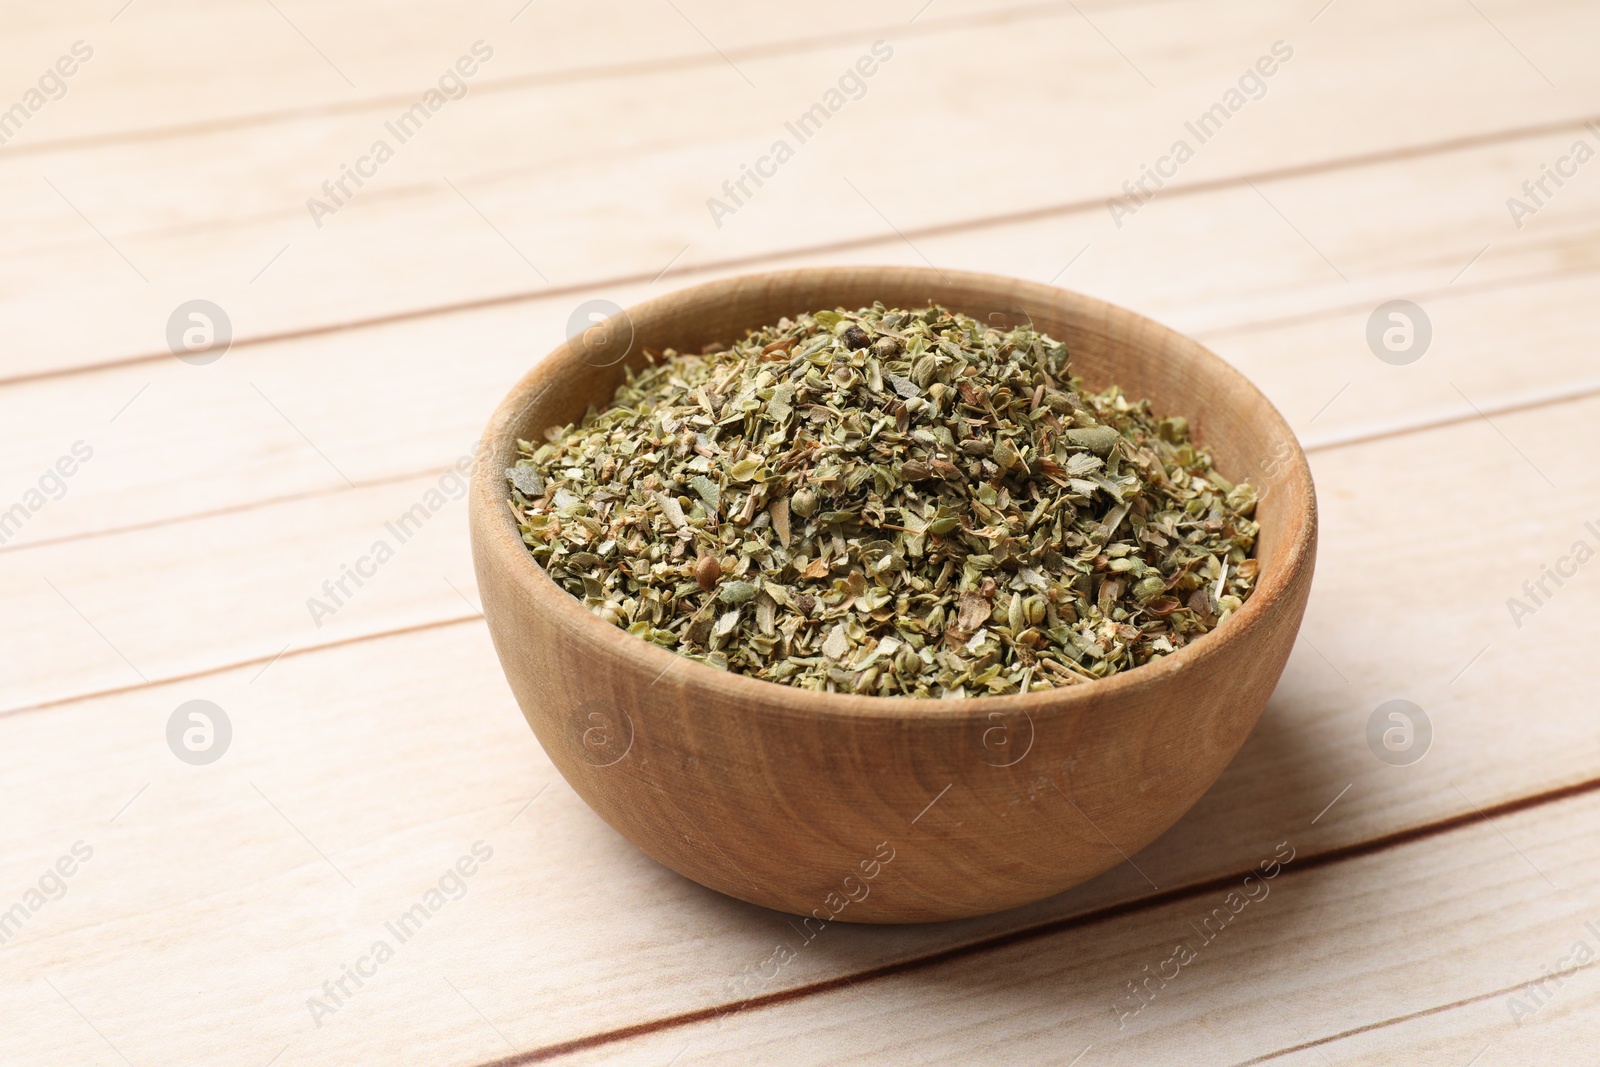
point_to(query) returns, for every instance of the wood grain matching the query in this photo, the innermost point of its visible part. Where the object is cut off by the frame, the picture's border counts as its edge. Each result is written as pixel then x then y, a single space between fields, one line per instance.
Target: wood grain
pixel 207 916
pixel 216 208
pixel 1252 988
pixel 529 935
pixel 460 364
pixel 262 67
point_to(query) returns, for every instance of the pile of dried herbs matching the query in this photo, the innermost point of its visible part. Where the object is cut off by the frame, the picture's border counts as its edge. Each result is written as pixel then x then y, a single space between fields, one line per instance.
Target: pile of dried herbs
pixel 888 502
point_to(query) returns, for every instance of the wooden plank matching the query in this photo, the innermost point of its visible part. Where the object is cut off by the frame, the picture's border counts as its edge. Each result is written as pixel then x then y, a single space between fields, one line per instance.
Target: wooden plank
pixel 86 622
pixel 1540 1018
pixel 259 66
pixel 85 619
pixel 383 762
pixel 361 769
pixel 438 376
pixel 212 212
pixel 394 755
pixel 1256 986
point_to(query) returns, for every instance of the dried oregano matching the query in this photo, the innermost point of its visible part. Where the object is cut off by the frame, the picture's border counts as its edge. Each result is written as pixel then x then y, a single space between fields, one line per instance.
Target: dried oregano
pixel 888 502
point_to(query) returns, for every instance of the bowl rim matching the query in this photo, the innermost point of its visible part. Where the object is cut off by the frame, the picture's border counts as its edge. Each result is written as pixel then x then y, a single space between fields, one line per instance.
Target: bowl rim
pixel 491 517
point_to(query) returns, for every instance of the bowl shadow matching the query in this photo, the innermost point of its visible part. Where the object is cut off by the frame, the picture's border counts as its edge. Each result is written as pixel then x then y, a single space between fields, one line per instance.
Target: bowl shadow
pixel 1065 961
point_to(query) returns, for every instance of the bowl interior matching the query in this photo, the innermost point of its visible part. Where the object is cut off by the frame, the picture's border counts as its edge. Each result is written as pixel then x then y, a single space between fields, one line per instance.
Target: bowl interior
pixel 1247 437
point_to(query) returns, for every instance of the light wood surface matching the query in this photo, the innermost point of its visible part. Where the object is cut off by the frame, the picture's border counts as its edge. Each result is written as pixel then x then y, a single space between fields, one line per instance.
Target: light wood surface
pixel 371 753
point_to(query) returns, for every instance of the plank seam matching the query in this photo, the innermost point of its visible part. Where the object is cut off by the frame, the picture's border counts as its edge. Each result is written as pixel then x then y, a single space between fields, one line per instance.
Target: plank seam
pixel 1344 441
pixel 1095 917
pixel 944 229
pixel 1419 1014
pixel 208 672
pixel 574 75
pixel 1350 438
pixel 231 509
pixel 1306 318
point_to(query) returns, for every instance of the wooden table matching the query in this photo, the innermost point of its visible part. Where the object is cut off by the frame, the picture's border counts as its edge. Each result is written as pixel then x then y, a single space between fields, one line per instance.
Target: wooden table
pixel 167 521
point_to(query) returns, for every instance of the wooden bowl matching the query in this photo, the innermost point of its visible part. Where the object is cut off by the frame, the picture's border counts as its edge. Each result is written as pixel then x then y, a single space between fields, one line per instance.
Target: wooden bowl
pixel 892 809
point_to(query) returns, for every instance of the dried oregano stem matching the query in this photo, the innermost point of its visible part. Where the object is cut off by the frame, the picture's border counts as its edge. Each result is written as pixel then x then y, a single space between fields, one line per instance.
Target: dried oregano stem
pixel 888 502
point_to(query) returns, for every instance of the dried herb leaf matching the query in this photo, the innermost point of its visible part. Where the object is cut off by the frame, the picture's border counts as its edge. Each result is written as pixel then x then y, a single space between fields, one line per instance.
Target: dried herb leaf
pixel 915 504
